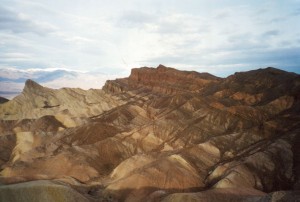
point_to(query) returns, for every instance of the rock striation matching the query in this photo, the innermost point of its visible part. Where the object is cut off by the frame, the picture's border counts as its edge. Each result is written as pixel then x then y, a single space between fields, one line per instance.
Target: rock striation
pixel 159 135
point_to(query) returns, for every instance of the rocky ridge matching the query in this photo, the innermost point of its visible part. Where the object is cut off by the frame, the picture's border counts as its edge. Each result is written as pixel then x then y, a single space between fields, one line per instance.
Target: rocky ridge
pixel 159 135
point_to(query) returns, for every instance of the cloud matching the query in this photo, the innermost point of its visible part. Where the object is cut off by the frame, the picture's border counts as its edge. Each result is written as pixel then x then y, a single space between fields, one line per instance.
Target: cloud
pixel 277 19
pixel 181 24
pixel 79 40
pixel 296 12
pixel 116 35
pixel 134 18
pixel 15 56
pixel 270 33
pixel 21 23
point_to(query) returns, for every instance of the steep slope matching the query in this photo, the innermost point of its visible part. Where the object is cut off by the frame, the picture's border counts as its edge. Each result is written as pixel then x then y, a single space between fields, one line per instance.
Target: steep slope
pixel 3 100
pixel 160 131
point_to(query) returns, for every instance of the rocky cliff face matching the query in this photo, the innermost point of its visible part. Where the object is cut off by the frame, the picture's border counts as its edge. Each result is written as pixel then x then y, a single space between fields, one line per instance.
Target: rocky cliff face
pixel 162 80
pixel 159 132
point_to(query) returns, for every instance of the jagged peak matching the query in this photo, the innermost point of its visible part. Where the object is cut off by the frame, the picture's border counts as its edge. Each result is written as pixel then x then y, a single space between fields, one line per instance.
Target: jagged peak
pixel 30 84
pixel 162 68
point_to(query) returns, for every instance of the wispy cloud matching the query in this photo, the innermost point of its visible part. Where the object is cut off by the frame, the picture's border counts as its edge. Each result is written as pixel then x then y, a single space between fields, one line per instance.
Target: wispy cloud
pixel 271 33
pixel 15 56
pixel 296 12
pixel 134 18
pixel 111 35
pixel 15 22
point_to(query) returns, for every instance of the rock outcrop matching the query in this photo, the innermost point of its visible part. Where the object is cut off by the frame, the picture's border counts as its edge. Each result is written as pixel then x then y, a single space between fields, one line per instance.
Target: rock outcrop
pixel 162 80
pixel 159 135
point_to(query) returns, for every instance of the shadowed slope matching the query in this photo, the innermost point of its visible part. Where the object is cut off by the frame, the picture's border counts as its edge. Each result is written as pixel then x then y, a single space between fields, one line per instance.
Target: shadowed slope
pixel 3 100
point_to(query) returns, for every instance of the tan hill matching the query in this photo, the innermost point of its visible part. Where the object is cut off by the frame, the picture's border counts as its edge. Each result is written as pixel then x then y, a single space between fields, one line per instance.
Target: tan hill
pixel 37 101
pixel 159 135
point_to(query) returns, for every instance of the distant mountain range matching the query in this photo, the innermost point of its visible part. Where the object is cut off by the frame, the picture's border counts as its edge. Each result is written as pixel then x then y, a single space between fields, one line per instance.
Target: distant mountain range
pixel 12 80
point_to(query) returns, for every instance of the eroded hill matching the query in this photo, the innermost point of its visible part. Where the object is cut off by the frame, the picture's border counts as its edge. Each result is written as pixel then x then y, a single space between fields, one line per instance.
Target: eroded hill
pixel 159 135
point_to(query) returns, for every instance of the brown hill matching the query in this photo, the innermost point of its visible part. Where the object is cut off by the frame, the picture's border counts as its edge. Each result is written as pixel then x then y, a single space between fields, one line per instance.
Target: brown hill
pixel 158 132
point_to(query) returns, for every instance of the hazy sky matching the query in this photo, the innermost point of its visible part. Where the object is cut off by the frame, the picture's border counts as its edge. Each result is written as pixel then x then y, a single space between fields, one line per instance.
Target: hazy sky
pixel 113 36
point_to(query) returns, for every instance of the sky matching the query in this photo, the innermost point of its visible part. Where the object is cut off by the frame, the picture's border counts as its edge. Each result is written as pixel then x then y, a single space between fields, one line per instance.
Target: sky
pixel 112 36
